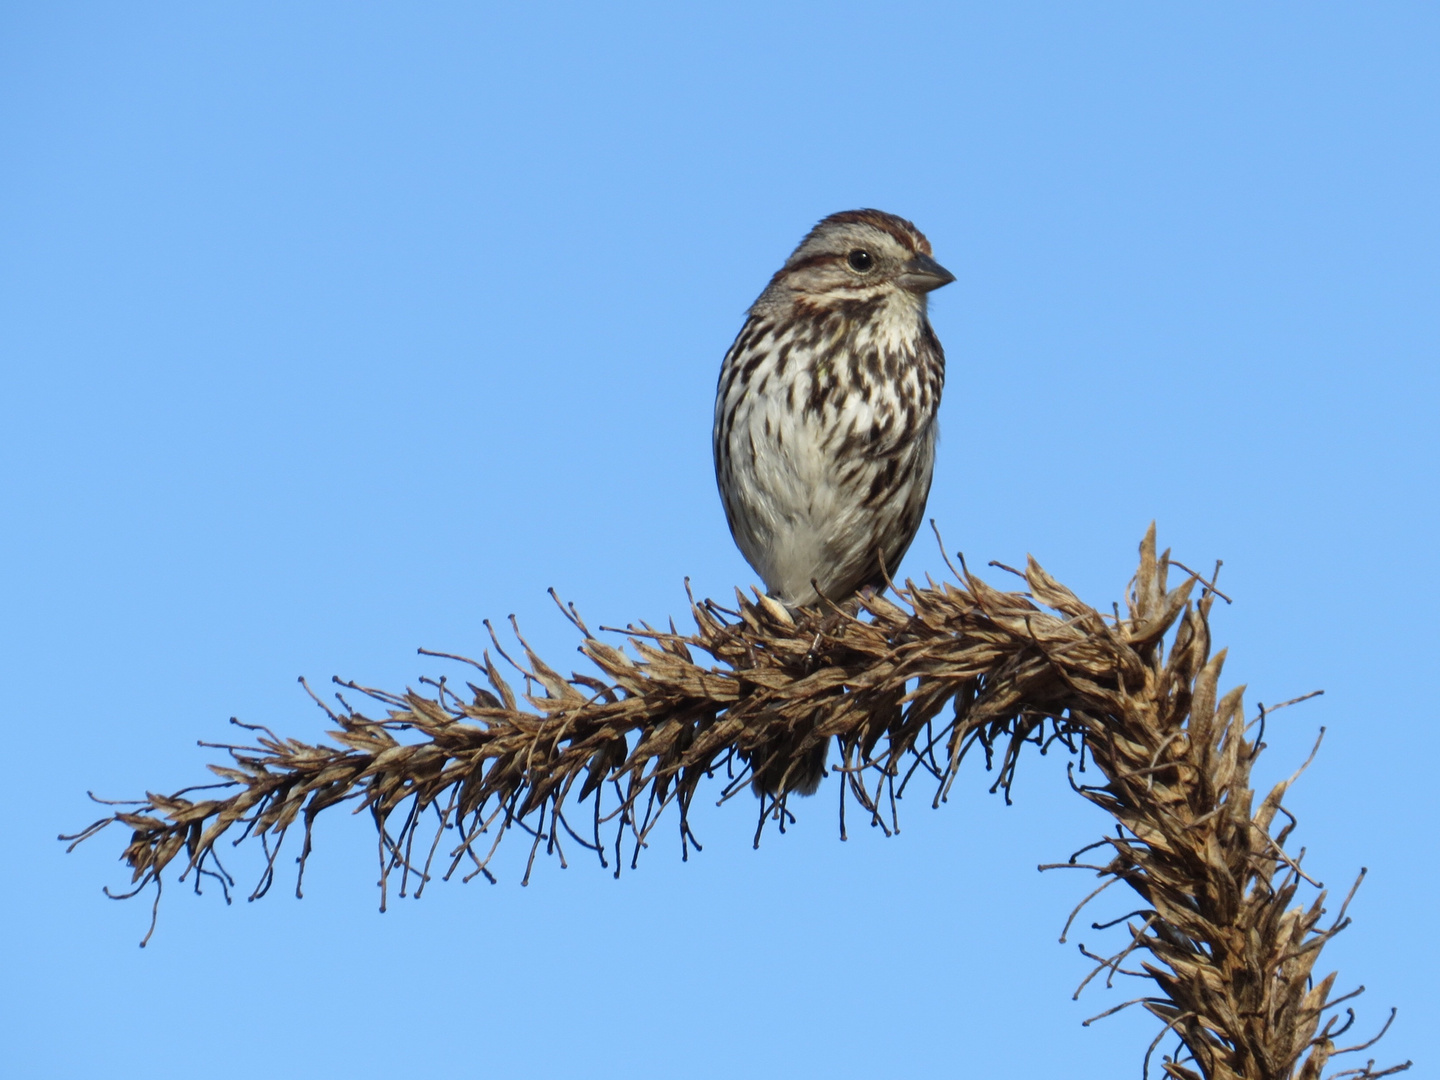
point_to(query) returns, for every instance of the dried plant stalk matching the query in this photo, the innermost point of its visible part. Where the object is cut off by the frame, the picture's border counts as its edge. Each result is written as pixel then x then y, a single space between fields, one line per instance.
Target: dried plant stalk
pixel 906 690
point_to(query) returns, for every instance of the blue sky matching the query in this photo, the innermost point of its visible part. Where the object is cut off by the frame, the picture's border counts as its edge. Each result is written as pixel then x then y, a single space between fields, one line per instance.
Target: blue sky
pixel 329 331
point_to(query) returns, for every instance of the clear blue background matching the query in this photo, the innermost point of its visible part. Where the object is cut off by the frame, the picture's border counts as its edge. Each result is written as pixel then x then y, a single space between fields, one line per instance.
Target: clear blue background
pixel 328 331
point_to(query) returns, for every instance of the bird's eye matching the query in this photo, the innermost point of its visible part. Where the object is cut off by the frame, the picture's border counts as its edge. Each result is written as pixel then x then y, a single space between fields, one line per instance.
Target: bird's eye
pixel 860 261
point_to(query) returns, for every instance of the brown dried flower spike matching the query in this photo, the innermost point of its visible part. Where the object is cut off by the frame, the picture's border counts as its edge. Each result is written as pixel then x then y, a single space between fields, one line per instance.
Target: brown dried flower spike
pixel 907 689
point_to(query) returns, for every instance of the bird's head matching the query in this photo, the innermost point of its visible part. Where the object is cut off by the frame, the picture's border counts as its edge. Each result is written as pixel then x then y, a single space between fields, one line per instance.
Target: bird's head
pixel 858 255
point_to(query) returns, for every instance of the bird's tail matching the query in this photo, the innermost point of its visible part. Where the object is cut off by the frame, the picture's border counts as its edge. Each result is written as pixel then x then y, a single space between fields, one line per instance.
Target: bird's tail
pixel 777 771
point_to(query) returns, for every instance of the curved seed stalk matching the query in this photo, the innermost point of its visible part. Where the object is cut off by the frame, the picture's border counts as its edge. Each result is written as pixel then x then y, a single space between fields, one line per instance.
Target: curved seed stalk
pixel 906 690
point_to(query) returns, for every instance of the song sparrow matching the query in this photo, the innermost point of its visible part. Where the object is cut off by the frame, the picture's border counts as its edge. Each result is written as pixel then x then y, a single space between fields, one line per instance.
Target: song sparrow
pixel 825 428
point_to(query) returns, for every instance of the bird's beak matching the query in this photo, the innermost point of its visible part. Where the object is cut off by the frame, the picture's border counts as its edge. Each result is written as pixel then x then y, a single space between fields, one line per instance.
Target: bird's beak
pixel 922 273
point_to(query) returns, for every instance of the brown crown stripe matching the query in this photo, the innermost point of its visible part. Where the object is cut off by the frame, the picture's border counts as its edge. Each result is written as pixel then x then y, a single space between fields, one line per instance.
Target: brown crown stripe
pixel 903 231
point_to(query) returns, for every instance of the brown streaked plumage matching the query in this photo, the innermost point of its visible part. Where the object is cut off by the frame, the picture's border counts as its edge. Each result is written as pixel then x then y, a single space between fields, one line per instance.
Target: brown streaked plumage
pixel 825 429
